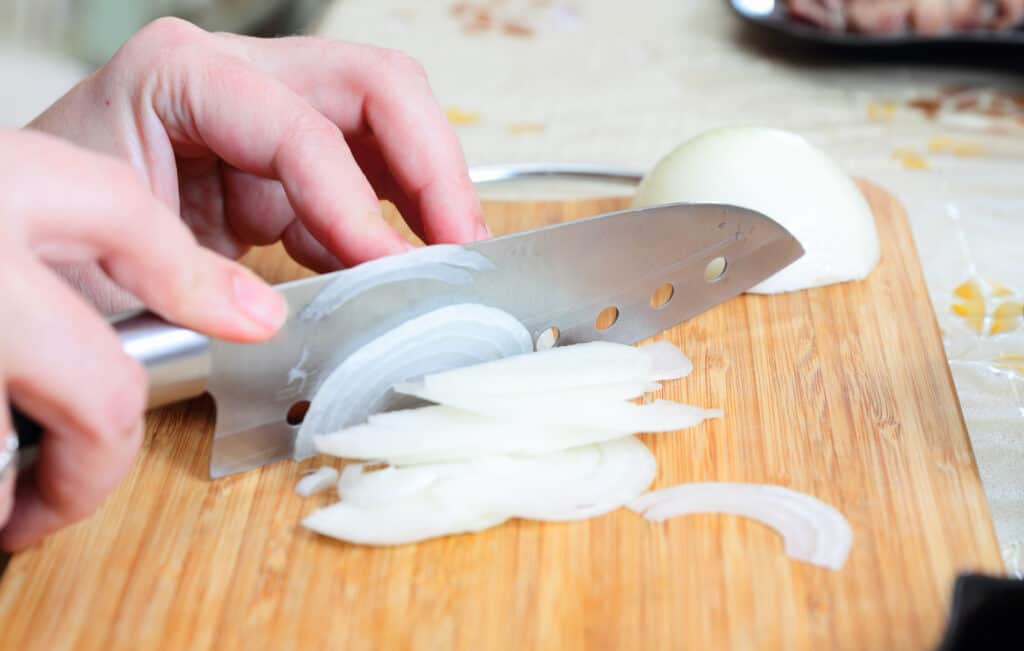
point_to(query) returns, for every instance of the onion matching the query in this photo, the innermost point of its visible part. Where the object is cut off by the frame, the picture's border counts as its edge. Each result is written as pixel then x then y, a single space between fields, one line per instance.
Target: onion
pixel 432 434
pixel 447 263
pixel 402 505
pixel 452 336
pixel 812 530
pixel 317 481
pixel 591 364
pixel 783 176
pixel 541 436
pixel 397 523
pixel 658 416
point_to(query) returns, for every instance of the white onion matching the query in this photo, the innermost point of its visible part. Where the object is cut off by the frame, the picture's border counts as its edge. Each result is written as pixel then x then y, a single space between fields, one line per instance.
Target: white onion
pixel 590 364
pixel 452 336
pixel 409 504
pixel 544 436
pixel 658 416
pixel 784 177
pixel 447 263
pixel 432 434
pixel 812 530
pixel 317 481
pixel 400 522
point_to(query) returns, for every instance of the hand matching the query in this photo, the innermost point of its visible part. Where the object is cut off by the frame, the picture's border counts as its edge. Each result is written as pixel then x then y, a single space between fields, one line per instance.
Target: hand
pixel 290 139
pixel 60 362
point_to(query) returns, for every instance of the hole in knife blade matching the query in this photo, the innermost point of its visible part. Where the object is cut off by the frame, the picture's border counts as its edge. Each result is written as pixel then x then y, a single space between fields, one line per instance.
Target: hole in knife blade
pixel 715 269
pixel 662 296
pixel 607 318
pixel 548 339
pixel 297 412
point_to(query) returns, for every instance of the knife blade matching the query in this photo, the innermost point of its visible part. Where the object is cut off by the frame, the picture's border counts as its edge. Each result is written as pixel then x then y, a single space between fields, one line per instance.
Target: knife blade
pixel 561 276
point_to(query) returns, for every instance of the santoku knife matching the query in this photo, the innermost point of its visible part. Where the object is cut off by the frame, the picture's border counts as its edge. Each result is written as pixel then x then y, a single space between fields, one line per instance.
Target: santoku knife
pixel 557 277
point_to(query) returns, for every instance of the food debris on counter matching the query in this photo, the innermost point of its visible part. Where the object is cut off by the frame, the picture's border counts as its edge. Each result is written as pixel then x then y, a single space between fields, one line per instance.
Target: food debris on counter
pixel 955 146
pixel 521 128
pixel 910 159
pixel 1004 315
pixel 461 118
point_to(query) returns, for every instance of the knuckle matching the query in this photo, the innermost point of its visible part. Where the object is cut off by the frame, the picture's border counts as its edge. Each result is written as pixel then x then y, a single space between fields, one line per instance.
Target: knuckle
pixel 166 31
pixel 403 65
pixel 151 48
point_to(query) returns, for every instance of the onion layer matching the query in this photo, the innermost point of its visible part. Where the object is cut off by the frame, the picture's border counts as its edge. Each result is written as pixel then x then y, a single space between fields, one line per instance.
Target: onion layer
pixel 317 481
pixel 400 505
pixel 447 263
pixel 812 530
pixel 452 336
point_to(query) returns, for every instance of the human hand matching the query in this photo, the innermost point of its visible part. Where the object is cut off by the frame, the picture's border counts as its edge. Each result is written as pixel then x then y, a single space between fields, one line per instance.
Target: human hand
pixel 60 361
pixel 290 139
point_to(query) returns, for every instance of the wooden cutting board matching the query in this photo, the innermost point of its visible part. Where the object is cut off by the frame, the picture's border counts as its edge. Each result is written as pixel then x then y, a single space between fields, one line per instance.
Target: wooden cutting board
pixel 842 392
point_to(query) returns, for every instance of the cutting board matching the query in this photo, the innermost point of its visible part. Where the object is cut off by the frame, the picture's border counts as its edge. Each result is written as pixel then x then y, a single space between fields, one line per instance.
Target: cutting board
pixel 841 391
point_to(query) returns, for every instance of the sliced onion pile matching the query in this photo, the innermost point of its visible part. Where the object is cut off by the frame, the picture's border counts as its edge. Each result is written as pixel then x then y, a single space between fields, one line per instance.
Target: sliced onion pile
pixel 516 434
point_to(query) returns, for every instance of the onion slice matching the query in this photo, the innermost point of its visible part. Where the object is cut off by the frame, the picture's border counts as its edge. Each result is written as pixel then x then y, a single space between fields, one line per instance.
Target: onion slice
pixel 398 523
pixel 812 531
pixel 658 416
pixel 447 263
pixel 437 433
pixel 400 505
pixel 570 367
pixel 452 336
pixel 317 481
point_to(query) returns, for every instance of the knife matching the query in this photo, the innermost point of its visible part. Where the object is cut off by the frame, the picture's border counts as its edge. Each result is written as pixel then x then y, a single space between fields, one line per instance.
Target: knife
pixel 553 279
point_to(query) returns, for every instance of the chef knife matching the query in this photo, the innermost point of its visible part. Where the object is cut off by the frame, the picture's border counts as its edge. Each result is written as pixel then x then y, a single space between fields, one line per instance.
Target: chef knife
pixel 553 279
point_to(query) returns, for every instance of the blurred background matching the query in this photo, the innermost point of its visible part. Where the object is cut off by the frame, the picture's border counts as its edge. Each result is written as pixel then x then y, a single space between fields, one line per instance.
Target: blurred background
pixel 46 45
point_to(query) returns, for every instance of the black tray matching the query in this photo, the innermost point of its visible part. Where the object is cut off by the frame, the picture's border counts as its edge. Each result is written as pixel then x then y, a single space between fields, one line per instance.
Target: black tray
pixel 772 16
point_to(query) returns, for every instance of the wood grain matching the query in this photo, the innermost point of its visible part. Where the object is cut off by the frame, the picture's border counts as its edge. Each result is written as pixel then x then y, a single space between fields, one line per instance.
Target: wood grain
pixel 841 391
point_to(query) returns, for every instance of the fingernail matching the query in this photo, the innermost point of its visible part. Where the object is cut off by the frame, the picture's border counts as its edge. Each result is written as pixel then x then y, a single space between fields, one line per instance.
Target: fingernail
pixel 482 232
pixel 260 303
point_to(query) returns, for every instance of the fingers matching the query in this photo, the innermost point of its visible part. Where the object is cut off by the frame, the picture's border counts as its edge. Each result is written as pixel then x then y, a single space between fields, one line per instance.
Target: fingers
pixel 280 136
pixel 88 395
pixel 364 89
pixel 306 250
pixel 140 244
pixel 256 209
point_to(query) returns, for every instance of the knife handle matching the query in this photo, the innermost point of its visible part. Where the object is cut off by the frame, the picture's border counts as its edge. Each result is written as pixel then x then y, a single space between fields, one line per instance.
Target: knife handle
pixel 177 362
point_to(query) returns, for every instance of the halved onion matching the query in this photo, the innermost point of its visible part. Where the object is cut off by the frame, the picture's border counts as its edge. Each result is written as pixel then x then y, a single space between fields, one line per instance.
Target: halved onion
pixel 812 530
pixel 452 336
pixel 784 176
